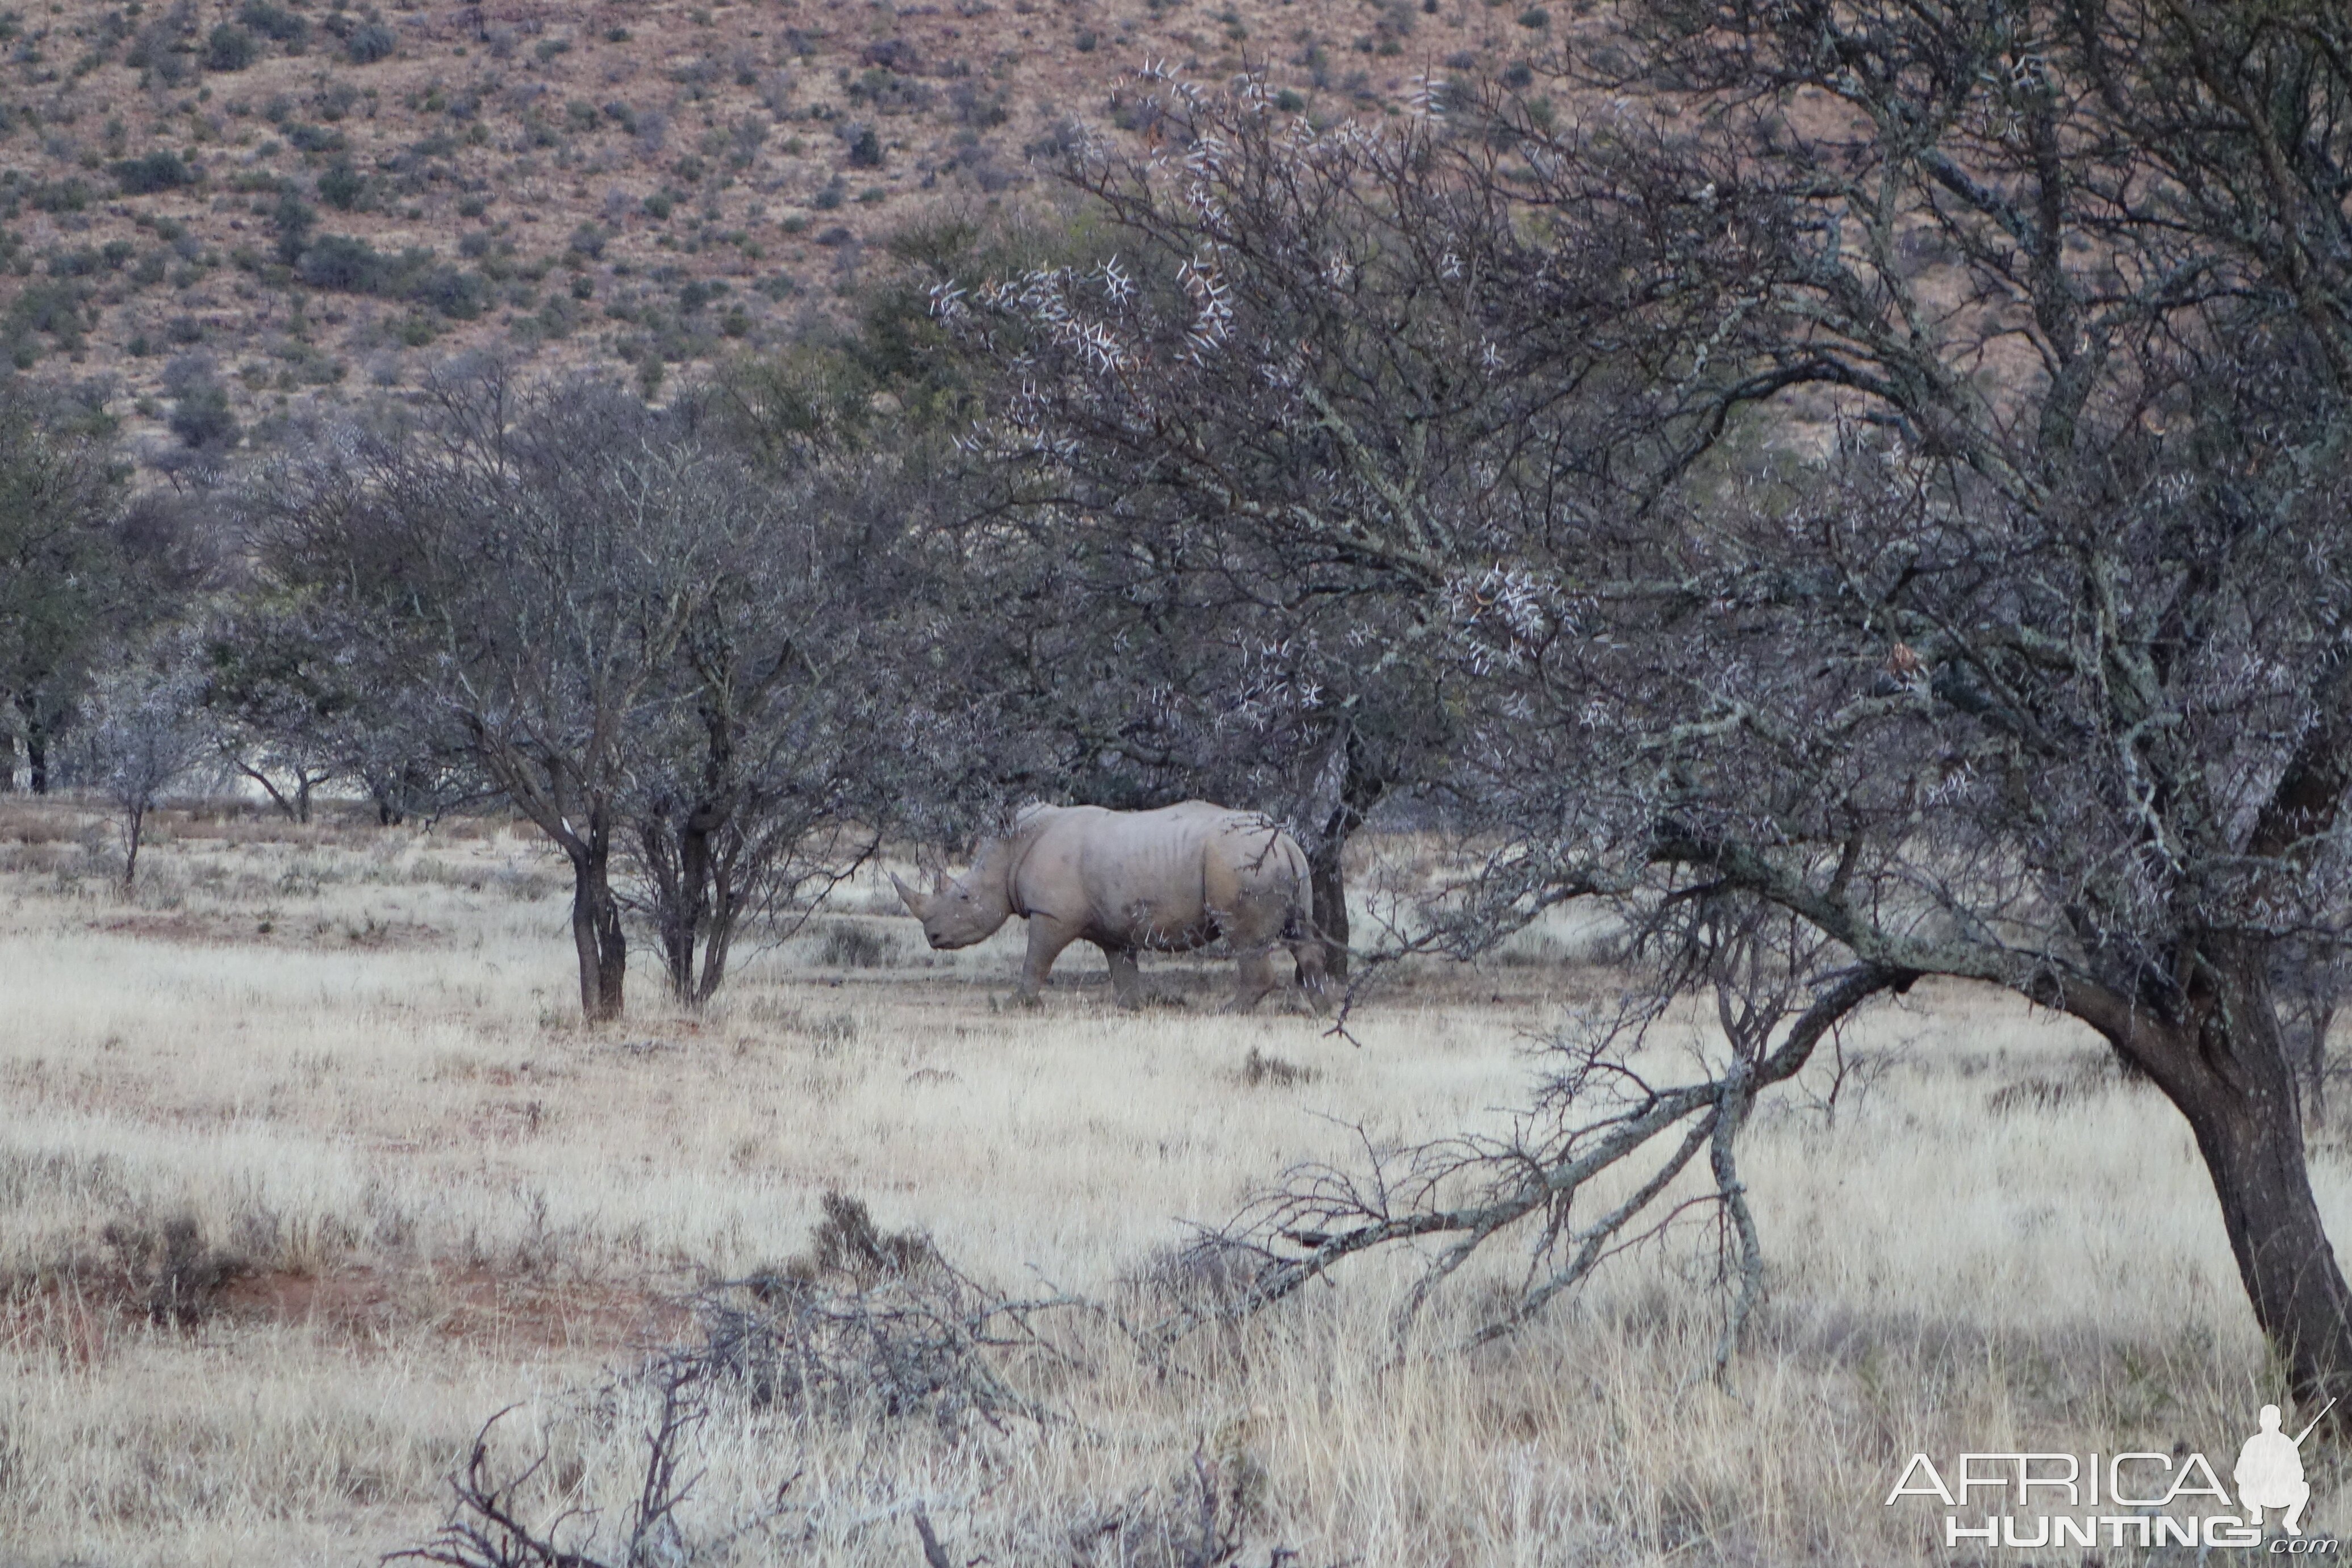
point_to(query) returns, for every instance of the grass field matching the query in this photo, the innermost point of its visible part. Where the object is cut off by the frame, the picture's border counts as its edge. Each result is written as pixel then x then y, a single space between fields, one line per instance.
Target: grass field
pixel 306 1168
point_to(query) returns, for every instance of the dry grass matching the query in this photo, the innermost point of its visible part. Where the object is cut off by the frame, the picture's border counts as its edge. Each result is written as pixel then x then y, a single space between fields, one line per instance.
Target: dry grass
pixel 410 1190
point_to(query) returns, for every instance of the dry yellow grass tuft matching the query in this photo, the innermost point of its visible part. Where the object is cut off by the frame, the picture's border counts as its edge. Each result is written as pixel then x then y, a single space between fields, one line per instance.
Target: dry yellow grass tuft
pixel 337 1071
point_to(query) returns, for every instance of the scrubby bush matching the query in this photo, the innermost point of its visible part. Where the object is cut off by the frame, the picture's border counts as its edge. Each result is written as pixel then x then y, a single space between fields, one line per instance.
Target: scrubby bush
pixel 293 218
pixel 53 308
pixel 342 263
pixel 461 295
pixel 341 186
pixel 274 22
pixel 1258 1069
pixel 230 48
pixel 162 170
pixel 370 42
pixel 201 418
pixel 58 197
pixel 848 946
pixel 168 1271
pixel 314 138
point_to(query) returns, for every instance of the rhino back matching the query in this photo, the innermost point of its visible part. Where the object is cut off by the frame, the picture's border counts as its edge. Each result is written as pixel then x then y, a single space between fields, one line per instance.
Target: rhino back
pixel 1156 878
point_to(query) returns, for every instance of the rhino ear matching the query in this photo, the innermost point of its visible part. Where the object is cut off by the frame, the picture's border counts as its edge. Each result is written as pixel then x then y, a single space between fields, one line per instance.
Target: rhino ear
pixel 914 901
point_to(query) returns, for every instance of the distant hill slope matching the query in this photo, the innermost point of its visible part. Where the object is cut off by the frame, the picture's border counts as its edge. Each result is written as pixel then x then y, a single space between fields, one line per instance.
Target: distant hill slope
pixel 218 211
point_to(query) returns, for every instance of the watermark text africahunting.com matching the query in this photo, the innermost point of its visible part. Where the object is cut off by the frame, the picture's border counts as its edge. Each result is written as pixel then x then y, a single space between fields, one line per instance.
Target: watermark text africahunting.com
pixel 2022 1501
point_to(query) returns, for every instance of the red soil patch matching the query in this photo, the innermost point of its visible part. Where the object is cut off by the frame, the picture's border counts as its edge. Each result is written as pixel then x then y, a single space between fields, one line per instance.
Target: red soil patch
pixel 475 1305
pixel 358 1306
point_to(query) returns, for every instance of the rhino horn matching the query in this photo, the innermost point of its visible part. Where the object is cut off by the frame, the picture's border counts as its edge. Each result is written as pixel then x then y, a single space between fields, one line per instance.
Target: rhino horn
pixel 913 900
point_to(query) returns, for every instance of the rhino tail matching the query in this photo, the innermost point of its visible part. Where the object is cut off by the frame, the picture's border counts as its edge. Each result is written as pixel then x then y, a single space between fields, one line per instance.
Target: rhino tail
pixel 1298 921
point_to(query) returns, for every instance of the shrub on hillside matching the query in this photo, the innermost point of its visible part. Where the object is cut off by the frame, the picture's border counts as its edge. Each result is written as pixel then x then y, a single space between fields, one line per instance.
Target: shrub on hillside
pixel 162 170
pixel 341 186
pixel 275 22
pixel 314 138
pixel 370 42
pixel 342 263
pixel 460 296
pixel 54 308
pixel 202 419
pixel 351 266
pixel 58 197
pixel 230 48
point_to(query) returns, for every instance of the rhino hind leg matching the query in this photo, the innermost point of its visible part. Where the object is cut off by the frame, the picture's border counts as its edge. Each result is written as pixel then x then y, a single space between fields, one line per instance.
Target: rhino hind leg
pixel 1254 978
pixel 1308 952
pixel 1126 980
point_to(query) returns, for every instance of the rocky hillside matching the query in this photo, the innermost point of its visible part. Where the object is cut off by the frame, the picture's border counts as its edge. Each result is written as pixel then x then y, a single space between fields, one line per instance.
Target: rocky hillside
pixel 218 211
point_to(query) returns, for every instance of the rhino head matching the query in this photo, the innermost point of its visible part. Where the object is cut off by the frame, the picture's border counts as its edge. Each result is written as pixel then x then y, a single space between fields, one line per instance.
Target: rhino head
pixel 954 916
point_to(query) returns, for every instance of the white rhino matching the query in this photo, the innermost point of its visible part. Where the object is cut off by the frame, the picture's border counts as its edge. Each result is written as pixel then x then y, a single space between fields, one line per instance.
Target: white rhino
pixel 1171 881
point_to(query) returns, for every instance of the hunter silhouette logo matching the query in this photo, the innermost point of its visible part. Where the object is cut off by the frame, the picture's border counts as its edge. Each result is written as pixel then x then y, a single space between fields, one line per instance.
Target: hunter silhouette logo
pixel 2269 1471
pixel 2123 1497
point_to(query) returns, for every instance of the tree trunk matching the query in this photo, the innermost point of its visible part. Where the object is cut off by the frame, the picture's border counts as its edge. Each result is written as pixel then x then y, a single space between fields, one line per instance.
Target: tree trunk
pixel 7 764
pixel 2322 1019
pixel 268 787
pixel 674 855
pixel 718 929
pixel 36 762
pixel 597 933
pixel 714 962
pixel 1361 790
pixel 396 791
pixel 2284 1258
pixel 2228 1070
pixel 134 829
pixel 1329 881
pixel 677 938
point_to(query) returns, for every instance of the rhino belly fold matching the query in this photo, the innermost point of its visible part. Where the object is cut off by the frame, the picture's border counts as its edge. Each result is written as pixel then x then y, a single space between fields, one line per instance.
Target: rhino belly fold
pixel 1161 930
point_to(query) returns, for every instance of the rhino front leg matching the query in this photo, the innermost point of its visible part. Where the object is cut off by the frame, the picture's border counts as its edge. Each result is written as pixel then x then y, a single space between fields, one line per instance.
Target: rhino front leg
pixel 1047 937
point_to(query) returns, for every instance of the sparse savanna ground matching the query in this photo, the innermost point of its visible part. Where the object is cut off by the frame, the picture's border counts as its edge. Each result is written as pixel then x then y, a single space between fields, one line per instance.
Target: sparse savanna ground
pixel 306 1168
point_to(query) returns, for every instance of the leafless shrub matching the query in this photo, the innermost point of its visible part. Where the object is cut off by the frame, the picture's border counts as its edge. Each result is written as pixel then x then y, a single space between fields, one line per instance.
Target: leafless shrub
pixel 491 1521
pixel 167 1270
pixel 1258 1069
pixel 873 1322
pixel 867 1322
pixel 849 946
pixel 1210 1273
pixel 143 737
pixel 846 1241
pixel 1200 1518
